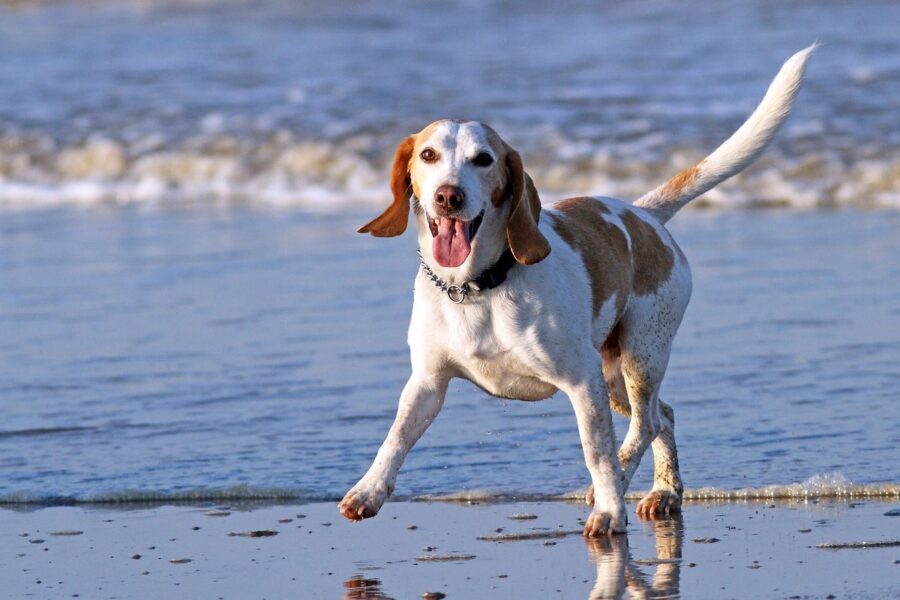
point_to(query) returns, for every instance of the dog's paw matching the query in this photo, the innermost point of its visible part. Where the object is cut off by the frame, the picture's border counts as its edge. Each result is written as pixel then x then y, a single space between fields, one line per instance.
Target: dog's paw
pixel 658 503
pixel 362 502
pixel 600 523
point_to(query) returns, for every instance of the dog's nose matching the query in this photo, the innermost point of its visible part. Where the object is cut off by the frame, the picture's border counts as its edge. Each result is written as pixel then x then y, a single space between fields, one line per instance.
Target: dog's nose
pixel 449 197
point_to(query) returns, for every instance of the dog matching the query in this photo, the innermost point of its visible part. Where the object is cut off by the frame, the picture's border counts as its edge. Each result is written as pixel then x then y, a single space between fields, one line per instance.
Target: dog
pixel 524 300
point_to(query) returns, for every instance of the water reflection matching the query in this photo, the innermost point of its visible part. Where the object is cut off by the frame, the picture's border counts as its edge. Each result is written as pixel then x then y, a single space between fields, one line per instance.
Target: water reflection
pixel 364 588
pixel 618 572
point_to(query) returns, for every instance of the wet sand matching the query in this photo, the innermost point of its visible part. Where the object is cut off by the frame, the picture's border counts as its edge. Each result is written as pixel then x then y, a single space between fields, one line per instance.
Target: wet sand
pixel 713 550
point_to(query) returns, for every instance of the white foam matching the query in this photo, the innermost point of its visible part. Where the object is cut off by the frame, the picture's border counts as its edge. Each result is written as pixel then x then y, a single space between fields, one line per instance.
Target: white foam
pixel 353 172
pixel 822 486
pixel 200 494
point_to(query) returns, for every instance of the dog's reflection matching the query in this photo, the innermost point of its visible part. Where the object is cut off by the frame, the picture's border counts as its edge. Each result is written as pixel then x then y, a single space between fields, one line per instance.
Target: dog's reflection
pixel 363 588
pixel 617 571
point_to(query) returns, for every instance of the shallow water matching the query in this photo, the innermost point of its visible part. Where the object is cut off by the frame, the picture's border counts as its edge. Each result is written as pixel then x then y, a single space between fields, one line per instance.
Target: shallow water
pixel 302 102
pixel 196 349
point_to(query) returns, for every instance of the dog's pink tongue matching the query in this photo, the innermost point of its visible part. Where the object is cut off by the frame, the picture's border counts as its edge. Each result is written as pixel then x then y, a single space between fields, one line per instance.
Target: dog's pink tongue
pixel 451 244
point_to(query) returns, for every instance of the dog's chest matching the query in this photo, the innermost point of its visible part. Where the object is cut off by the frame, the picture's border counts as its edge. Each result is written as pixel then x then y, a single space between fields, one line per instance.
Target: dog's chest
pixel 486 347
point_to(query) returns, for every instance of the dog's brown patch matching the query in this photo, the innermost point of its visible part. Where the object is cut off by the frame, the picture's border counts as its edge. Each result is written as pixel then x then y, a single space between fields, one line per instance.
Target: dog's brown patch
pixel 675 186
pixel 602 245
pixel 653 260
pixel 498 195
pixel 526 241
pixel 612 348
pixel 611 353
pixel 393 220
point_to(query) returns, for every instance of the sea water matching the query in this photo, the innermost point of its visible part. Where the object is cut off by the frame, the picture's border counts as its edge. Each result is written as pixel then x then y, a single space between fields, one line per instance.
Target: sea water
pixel 152 352
pixel 186 311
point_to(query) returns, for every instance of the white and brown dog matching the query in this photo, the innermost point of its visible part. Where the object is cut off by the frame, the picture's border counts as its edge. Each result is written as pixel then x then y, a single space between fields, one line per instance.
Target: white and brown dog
pixel 594 318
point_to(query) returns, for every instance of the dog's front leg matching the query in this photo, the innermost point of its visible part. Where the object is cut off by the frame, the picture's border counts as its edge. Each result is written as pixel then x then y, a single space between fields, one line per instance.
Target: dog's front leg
pixel 420 403
pixel 591 404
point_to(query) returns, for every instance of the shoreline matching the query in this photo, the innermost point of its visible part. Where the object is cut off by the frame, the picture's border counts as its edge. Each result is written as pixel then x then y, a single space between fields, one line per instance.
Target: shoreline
pixel 830 486
pixel 464 550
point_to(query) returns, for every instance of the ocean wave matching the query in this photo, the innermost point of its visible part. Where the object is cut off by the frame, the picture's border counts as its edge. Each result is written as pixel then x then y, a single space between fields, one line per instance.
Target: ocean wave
pixel 236 493
pixel 823 486
pixel 352 172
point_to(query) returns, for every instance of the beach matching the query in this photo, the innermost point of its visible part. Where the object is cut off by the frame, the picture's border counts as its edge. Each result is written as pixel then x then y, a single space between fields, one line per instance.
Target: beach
pixel 483 550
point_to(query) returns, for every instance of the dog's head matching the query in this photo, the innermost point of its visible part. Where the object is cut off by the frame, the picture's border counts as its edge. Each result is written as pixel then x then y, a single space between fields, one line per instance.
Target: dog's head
pixel 473 195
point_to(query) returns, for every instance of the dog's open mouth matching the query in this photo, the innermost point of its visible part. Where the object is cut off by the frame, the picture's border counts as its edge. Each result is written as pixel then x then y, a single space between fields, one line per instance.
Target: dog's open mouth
pixel 453 238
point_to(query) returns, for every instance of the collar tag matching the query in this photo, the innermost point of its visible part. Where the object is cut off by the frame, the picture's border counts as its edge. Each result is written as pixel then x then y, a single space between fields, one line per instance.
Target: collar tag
pixel 458 293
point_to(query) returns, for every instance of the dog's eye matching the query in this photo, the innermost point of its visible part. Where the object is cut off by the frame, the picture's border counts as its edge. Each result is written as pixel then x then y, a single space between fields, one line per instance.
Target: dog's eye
pixel 483 160
pixel 428 155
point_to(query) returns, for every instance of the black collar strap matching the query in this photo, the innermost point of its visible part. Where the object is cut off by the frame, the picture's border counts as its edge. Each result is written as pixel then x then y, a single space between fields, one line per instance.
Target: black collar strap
pixel 491 278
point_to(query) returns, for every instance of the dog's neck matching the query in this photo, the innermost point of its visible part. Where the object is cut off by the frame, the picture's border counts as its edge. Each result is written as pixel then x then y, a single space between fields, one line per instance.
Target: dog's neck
pixel 487 248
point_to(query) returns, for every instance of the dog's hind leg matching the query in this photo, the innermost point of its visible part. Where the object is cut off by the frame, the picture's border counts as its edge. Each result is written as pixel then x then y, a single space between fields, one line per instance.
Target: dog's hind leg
pixel 645 345
pixel 665 497
pixel 642 379
pixel 648 329
pixel 652 424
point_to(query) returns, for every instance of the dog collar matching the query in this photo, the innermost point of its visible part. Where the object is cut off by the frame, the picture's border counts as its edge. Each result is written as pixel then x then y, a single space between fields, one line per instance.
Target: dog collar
pixel 491 278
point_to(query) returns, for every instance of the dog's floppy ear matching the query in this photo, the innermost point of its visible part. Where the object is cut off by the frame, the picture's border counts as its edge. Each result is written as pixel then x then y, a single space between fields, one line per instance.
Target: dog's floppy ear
pixel 394 219
pixel 526 241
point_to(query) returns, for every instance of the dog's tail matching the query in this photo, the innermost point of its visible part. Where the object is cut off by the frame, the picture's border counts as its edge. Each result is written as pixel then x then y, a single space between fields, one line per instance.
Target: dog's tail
pixel 738 151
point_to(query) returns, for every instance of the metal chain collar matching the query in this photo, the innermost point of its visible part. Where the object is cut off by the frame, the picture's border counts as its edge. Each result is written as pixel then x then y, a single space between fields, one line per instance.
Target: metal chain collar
pixel 456 293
